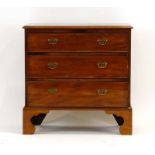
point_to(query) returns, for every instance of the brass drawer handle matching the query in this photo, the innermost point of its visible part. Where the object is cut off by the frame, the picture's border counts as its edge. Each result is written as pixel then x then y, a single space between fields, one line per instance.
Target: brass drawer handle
pixel 102 91
pixel 53 41
pixel 102 64
pixel 52 90
pixel 102 41
pixel 52 65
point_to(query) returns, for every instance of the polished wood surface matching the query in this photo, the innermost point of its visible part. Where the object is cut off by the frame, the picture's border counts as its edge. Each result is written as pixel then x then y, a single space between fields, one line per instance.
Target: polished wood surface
pixel 30 112
pixel 73 66
pixel 126 114
pixel 77 93
pixel 71 26
pixel 80 68
pixel 78 42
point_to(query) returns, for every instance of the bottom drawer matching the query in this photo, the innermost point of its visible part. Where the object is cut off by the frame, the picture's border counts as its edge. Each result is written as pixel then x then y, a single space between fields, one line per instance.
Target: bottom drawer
pixel 77 93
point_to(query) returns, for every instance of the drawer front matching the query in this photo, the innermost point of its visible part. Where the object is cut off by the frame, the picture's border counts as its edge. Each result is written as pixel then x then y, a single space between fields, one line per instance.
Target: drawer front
pixel 77 42
pixel 77 93
pixel 77 66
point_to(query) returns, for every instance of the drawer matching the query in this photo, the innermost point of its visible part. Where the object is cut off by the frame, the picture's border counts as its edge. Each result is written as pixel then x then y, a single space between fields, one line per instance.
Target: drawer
pixel 77 93
pixel 78 42
pixel 77 66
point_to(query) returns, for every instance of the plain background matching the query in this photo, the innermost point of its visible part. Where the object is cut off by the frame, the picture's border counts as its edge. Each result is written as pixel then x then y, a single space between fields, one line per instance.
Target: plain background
pixel 12 74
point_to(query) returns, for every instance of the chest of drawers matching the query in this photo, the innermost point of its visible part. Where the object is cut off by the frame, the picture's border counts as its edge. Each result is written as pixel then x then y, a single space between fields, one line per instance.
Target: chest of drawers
pixel 77 67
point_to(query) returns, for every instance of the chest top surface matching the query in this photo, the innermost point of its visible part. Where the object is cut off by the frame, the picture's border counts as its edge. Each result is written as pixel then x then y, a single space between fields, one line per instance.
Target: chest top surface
pixel 81 26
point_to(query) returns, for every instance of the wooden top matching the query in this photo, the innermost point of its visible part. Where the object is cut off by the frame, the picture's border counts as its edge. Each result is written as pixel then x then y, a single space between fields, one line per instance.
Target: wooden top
pixel 73 26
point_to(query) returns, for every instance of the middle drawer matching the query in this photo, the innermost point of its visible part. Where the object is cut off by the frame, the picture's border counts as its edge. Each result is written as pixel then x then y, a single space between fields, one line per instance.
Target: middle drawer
pixel 77 66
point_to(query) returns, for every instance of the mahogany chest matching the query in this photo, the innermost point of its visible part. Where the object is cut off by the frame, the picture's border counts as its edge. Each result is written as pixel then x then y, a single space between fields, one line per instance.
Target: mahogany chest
pixel 77 67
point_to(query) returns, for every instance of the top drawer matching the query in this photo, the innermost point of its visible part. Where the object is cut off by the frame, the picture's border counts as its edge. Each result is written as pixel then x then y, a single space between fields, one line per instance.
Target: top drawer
pixel 106 41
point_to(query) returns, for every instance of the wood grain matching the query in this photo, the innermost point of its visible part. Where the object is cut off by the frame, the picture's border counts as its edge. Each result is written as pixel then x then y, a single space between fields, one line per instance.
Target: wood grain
pixel 79 42
pixel 28 127
pixel 77 66
pixel 77 93
pixel 126 114
pixel 76 82
pixel 51 26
